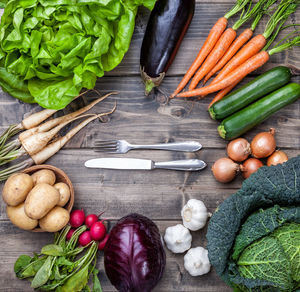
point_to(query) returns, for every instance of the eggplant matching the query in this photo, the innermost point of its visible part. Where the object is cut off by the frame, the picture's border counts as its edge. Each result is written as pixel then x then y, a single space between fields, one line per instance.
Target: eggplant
pixel 167 25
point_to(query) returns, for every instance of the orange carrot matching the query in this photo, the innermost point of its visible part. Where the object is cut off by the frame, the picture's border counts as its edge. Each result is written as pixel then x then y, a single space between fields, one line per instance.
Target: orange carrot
pixel 240 72
pixel 249 50
pixel 223 93
pixel 211 40
pixel 235 46
pixel 217 52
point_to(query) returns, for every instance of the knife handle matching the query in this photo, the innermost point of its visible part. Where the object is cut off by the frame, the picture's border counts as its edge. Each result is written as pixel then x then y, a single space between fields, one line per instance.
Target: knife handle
pixel 188 165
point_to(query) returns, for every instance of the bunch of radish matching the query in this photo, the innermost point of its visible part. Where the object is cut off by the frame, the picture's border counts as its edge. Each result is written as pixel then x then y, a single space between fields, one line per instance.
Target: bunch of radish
pixel 263 145
pixel 97 229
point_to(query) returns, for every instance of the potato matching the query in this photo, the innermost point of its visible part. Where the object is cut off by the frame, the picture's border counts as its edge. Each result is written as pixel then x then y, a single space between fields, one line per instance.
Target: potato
pixel 44 176
pixel 64 193
pixel 19 218
pixel 55 220
pixel 17 188
pixel 41 199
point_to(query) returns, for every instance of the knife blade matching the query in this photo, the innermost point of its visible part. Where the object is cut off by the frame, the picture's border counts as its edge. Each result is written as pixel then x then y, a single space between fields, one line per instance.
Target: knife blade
pixel 145 164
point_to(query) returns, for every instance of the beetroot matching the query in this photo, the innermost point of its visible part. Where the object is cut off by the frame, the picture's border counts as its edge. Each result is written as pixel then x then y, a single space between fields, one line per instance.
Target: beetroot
pixel 77 218
pixel 70 233
pixel 98 230
pixel 85 238
pixel 90 220
pixel 102 243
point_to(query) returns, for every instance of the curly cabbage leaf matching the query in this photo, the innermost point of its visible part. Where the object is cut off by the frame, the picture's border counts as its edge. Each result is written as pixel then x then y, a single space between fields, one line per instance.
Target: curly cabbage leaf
pixel 265 259
pixel 53 49
pixel 263 223
pixel 269 186
pixel 289 237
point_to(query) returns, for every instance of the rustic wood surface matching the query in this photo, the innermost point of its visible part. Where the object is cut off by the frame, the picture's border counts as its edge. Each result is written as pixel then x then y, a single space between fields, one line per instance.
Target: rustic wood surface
pixel 159 194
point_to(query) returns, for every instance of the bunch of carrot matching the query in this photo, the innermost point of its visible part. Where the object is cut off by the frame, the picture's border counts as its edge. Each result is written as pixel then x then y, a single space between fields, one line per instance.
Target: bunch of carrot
pixel 233 59
pixel 34 141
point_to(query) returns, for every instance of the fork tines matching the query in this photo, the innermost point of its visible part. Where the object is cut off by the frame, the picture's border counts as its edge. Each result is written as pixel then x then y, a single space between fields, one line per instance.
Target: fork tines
pixel 105 146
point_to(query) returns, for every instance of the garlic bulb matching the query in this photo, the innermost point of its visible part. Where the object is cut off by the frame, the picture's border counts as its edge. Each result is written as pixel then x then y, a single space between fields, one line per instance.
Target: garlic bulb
pixel 196 261
pixel 178 238
pixel 194 214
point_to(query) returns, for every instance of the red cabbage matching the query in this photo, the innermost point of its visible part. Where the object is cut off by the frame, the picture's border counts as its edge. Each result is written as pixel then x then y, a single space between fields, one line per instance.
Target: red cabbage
pixel 134 257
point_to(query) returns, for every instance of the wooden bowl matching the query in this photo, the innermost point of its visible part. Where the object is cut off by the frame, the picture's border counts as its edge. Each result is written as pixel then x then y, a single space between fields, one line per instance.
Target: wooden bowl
pixel 60 177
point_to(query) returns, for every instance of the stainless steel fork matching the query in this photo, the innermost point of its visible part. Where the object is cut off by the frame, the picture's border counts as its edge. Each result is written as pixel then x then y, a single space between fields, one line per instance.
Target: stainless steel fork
pixel 122 146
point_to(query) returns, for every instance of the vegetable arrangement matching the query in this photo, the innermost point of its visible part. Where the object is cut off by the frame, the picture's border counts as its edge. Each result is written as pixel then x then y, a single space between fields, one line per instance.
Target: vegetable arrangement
pixel 36 200
pixel 35 140
pixel 50 50
pixel 253 237
pixel 252 56
pixel 167 25
pixel 214 34
pixel 62 266
pixel 263 145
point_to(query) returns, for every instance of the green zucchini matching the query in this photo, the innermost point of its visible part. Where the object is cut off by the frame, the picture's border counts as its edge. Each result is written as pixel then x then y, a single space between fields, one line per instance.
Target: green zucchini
pixel 250 92
pixel 250 116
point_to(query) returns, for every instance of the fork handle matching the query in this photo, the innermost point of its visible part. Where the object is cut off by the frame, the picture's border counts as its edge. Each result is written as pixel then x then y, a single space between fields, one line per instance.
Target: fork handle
pixel 188 165
pixel 189 146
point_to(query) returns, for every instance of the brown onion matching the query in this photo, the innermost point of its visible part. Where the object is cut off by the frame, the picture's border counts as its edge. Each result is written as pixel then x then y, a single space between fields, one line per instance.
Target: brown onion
pixel 250 166
pixel 238 149
pixel 277 157
pixel 263 144
pixel 224 170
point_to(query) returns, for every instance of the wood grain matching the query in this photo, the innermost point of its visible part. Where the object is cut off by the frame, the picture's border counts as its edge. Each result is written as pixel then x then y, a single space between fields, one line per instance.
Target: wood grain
pixel 158 194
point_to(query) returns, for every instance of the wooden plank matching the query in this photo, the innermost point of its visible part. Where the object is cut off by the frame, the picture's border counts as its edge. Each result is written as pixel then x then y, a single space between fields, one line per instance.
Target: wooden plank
pixel 175 278
pixel 158 194
pixel 141 119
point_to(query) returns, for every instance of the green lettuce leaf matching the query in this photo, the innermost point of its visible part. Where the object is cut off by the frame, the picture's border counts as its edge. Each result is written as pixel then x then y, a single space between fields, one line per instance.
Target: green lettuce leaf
pixel 54 48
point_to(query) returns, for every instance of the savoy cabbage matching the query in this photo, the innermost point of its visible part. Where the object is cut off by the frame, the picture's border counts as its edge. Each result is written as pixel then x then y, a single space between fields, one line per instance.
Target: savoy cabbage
pixel 267 201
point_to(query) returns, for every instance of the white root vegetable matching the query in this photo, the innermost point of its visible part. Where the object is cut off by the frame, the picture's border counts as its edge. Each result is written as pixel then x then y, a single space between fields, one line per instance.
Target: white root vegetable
pixel 178 238
pixel 194 214
pixel 54 147
pixel 36 118
pixel 49 150
pixel 35 143
pixel 54 122
pixel 196 261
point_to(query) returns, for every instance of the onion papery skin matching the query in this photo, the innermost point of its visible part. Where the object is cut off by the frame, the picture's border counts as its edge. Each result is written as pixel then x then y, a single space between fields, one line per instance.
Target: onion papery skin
pixel 263 144
pixel 277 157
pixel 239 149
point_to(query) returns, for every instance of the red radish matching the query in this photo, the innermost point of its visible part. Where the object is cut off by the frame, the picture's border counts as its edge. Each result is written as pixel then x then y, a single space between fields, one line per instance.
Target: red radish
pixel 77 218
pixel 90 220
pixel 102 243
pixel 85 238
pixel 98 230
pixel 70 233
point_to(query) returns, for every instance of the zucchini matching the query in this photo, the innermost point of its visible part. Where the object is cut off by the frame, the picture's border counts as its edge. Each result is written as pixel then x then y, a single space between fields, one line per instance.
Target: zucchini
pixel 250 92
pixel 245 119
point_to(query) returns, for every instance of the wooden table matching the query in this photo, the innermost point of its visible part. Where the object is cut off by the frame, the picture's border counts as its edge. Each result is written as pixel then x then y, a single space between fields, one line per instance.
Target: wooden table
pixel 159 194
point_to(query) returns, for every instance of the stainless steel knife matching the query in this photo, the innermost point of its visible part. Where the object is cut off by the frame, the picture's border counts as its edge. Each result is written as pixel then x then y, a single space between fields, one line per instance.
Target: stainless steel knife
pixel 145 164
